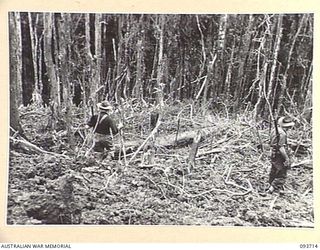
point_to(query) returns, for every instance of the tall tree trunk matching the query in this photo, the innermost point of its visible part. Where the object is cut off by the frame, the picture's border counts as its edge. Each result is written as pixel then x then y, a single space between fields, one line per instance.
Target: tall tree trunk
pixel 54 95
pixel 307 105
pixel 261 95
pixel 89 60
pixel 65 70
pixel 105 71
pixel 97 72
pixel 40 60
pixel 181 74
pixel 18 37
pixel 222 32
pixel 159 83
pixel 15 70
pixel 56 55
pixel 276 48
pixel 204 56
pixel 285 75
pixel 304 86
pixel 227 83
pixel 244 55
pixel 87 35
pixel 34 48
pixel 117 76
pixel 51 69
pixel 210 79
pixel 27 69
pixel 137 90
pixel 211 87
pixel 220 48
pixel 153 71
pixel 261 76
pixel 127 72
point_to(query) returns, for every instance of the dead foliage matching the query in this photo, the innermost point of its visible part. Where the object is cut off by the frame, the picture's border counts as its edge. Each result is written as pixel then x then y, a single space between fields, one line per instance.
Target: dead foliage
pixel 215 180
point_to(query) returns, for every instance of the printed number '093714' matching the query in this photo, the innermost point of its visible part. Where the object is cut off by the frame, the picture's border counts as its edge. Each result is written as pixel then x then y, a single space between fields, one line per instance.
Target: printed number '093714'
pixel 305 246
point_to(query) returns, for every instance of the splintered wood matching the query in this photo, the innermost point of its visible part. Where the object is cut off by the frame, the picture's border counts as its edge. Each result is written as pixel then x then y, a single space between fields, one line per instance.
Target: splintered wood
pixel 193 151
pixel 207 169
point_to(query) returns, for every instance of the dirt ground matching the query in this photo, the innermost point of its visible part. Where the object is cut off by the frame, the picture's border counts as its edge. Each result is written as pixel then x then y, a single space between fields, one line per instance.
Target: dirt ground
pixel 224 188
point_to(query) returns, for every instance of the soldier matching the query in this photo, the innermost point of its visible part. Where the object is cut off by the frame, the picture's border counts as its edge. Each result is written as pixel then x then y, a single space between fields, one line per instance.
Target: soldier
pixel 104 128
pixel 280 161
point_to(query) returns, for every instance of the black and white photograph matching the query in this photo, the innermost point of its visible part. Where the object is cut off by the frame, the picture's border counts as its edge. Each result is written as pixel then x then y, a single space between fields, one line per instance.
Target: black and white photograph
pixel 160 119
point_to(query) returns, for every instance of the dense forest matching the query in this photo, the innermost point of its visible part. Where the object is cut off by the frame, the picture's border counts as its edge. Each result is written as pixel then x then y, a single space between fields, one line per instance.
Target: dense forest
pixel 216 80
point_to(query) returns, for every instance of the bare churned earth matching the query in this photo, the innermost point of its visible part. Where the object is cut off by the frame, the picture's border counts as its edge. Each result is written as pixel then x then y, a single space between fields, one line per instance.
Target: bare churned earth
pixel 165 177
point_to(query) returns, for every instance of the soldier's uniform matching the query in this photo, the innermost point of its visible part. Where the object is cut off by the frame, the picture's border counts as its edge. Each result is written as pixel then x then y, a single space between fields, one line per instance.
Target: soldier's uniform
pixel 104 128
pixel 280 161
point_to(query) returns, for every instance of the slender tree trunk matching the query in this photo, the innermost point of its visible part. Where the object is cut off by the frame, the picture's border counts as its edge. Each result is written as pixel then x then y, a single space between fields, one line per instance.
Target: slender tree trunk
pixel 181 74
pixel 308 101
pixel 40 61
pixel 159 83
pixel 285 75
pixel 137 90
pixel 51 68
pixel 89 60
pixel 105 71
pixel 65 51
pixel 153 72
pixel 15 71
pixel 97 72
pixel 87 35
pixel 117 76
pixel 309 69
pixel 27 69
pixel 304 86
pixel 127 73
pixel 259 107
pixel 222 32
pixel 220 48
pixel 276 49
pixel 56 56
pixel 244 55
pixel 204 57
pixel 18 35
pixel 262 82
pixel 229 74
pixel 211 70
pixel 210 79
pixel 34 48
pixel 95 63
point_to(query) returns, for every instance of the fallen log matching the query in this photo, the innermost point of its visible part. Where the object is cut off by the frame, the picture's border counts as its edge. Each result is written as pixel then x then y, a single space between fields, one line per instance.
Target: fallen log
pixel 304 163
pixel 29 147
pixel 300 147
pixel 167 141
pixel 183 139
pixel 213 151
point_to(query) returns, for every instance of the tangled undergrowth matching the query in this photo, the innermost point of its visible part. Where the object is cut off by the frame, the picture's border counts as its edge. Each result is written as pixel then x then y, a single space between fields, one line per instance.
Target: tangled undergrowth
pixel 225 186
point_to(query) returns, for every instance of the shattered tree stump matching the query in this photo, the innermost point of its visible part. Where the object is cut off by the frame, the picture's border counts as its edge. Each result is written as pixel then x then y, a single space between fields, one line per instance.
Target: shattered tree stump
pixel 193 152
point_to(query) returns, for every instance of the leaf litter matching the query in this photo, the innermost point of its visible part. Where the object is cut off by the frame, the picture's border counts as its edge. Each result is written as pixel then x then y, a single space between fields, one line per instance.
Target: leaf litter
pixel 224 188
